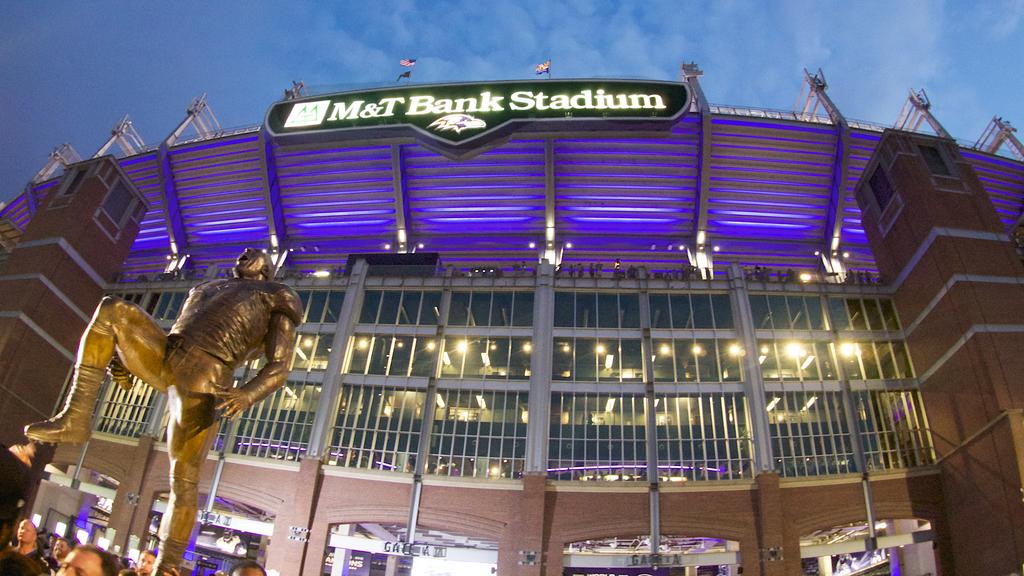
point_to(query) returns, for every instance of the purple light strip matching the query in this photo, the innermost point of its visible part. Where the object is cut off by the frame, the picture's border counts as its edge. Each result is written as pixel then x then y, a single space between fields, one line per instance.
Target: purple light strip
pixel 472 198
pixel 624 163
pixel 347 160
pixel 481 219
pixel 220 184
pixel 568 151
pixel 335 193
pixel 343 223
pixel 474 187
pixel 144 158
pixel 624 219
pixel 775 149
pixel 767 182
pixel 217 165
pixel 341 203
pixel 625 187
pixel 326 151
pixel 220 194
pixel 231 231
pixel 773 126
pixel 759 203
pixel 760 214
pixel 771 171
pixel 334 182
pixel 362 170
pixel 620 209
pixel 481 209
pixel 755 192
pixel 216 175
pixel 181 162
pixel 224 222
pixel 626 175
pixel 769 160
pixel 665 198
pixel 344 213
pixel 477 176
pixel 762 224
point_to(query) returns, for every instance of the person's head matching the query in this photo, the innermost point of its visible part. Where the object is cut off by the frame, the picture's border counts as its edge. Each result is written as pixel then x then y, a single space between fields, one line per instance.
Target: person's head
pixel 247 568
pixel 253 264
pixel 89 560
pixel 27 533
pixel 60 548
pixel 147 559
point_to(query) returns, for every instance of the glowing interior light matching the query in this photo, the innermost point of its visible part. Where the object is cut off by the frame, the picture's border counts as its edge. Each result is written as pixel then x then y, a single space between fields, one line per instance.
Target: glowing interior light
pixel 307 342
pixel 387 246
pixel 764 349
pixel 527 347
pixel 665 350
pixel 805 277
pixel 37 519
pixel 462 346
pixel 698 349
pixel 493 346
pixel 440 401
pixel 533 244
pixel 446 359
pixel 609 361
pixel 568 244
pixel 363 343
pixel 795 350
pixel 420 245
pixel 322 273
pixel 701 237
pixel 610 405
pixel 715 248
pixel 566 348
pixel 82 536
pixel 480 400
pixel 735 350
pixel 61 529
pixel 485 358
pixel 773 403
pixel 431 345
pixel 807 362
pixel 103 543
pixel 810 402
pixel 600 349
pixel 848 349
pixel 846 254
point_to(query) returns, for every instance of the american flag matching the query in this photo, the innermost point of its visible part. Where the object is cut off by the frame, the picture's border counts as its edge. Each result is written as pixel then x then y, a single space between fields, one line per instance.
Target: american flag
pixel 544 68
pixel 407 62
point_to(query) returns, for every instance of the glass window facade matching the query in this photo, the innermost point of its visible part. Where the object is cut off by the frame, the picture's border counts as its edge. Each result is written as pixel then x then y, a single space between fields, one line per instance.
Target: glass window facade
pixel 478 433
pixel 894 429
pixel 697 360
pixel 597 310
pixel 597 437
pixel 377 428
pixel 487 358
pixel 796 360
pixel 279 426
pixel 875 360
pixel 401 307
pixel 810 434
pixel 778 312
pixel 321 306
pixel 485 308
pixel 597 360
pixel 863 314
pixel 393 355
pixel 691 311
pixel 126 412
pixel 703 437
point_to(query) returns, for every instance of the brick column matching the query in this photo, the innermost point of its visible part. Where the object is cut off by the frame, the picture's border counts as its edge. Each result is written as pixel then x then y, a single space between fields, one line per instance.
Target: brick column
pixel 777 552
pixel 959 290
pixel 128 498
pixel 525 532
pixel 285 555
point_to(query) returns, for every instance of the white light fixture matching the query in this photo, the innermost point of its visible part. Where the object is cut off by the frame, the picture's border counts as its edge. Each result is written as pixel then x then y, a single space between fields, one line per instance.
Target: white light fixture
pixel 735 350
pixel 810 402
pixel 82 536
pixel 698 349
pixel 568 244
pixel 446 359
pixel 481 401
pixel 462 346
pixel 419 245
pixel 363 343
pixel 609 405
pixel 61 529
pixel 387 246
pixel 440 401
pixel 773 403
pixel 715 248
pixel 665 350
pixel 37 519
pixel 600 349
pixel 431 345
pixel 848 349
pixel 701 237
pixel 533 244
pixel 486 359
pixel 807 362
pixel 609 361
pixel 527 347
pixel 805 277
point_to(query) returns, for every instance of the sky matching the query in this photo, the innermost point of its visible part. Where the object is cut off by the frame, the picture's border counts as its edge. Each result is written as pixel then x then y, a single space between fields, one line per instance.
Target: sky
pixel 70 70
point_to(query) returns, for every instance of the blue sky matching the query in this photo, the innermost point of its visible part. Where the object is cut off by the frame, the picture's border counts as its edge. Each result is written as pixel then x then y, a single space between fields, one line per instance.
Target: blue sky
pixel 71 70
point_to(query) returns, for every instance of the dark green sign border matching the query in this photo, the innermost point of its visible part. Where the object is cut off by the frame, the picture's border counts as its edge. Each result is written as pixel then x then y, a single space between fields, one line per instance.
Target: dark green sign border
pixel 372 114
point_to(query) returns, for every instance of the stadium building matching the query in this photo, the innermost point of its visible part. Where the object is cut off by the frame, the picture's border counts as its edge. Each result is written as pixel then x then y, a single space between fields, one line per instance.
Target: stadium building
pixel 554 327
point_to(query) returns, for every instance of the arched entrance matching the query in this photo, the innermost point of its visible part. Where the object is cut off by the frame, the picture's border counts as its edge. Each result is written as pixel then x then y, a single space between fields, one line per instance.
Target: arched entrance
pixel 379 549
pixel 901 546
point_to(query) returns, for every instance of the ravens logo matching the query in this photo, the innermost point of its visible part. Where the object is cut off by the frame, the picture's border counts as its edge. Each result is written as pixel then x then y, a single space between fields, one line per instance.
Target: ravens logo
pixel 456 123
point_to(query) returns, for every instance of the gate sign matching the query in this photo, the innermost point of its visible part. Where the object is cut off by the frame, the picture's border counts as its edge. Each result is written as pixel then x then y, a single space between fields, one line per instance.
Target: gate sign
pixel 460 113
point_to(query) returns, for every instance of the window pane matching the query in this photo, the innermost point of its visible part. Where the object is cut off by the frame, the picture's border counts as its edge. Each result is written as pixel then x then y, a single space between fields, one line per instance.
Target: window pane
pixel 849 353
pixel 608 310
pixel 430 308
pixel 371 302
pixel 902 360
pixel 608 360
pixel 873 314
pixel 423 361
pixel 389 307
pixel 824 351
pixel 779 312
pixel 814 315
pixel 889 314
pixel 380 354
pixel 586 360
pixel 768 361
pixel 702 311
pixel 729 356
pixel 629 304
pixel 870 362
pixel 322 352
pixel 475 356
pixel 561 359
pixel 501 309
pixel 663 370
pixel 519 362
pixel 760 312
pixel 681 311
pixel 316 306
pixel 886 360
pixel 360 353
pixel 523 309
pixel 632 360
pixel 707 362
pixel 334 302
pixel 564 308
pixel 837 312
pixel 410 307
pixel 857 321
pixel 797 314
pixel 496 365
pixel 586 310
pixel 723 310
pixel 660 317
pixel 686 361
pixel 480 309
pixel 458 313
pixel 401 356
pixel 453 356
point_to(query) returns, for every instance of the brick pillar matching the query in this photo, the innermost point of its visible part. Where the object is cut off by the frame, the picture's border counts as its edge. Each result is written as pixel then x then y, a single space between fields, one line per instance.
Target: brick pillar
pixel 52 281
pixel 777 552
pixel 525 532
pixel 285 555
pixel 128 498
pixel 960 294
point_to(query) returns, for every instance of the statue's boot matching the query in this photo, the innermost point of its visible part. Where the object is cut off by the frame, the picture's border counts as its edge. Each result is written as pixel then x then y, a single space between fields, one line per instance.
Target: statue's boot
pixel 73 424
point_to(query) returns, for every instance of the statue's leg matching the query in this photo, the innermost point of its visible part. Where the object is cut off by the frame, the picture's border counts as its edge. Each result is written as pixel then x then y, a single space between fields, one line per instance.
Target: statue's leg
pixel 190 428
pixel 141 343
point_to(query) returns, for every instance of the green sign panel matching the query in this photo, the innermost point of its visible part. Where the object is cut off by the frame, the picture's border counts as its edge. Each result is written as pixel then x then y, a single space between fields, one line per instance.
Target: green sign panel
pixel 461 113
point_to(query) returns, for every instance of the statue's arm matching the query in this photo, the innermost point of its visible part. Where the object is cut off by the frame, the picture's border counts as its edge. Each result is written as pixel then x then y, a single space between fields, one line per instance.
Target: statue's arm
pixel 280 344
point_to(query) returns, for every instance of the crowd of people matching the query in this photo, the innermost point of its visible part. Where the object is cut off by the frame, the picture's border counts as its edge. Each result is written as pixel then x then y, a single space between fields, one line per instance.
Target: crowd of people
pixel 24 553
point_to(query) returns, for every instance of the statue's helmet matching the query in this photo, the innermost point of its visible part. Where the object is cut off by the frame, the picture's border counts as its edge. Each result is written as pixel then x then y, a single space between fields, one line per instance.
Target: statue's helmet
pixel 253 264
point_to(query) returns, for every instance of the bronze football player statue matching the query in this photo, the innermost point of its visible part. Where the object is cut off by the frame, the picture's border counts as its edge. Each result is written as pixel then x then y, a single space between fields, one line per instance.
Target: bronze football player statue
pixel 222 324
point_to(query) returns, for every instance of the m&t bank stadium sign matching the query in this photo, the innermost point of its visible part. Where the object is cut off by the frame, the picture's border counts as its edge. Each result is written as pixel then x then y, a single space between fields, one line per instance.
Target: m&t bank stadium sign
pixel 461 113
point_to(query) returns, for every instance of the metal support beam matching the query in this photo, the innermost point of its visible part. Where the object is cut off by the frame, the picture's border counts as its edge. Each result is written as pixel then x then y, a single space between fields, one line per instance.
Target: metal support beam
pixel 817 96
pixel 550 251
pixel 401 202
pixel 753 383
pixel 917 110
pixel 1000 132
pixel 172 210
pixel 692 74
pixel 59 158
pixel 272 195
pixel 125 136
pixel 200 116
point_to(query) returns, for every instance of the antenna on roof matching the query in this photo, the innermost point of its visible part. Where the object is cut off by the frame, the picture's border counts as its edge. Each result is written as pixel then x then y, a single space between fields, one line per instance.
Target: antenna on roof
pixel 125 136
pixel 917 109
pixel 61 157
pixel 997 133
pixel 200 116
pixel 298 90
